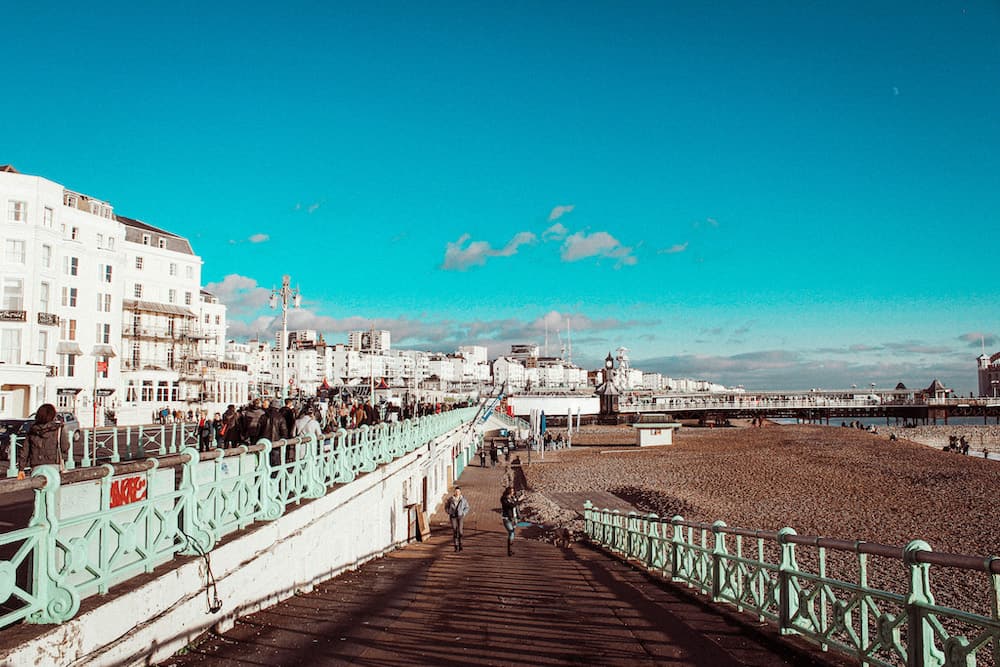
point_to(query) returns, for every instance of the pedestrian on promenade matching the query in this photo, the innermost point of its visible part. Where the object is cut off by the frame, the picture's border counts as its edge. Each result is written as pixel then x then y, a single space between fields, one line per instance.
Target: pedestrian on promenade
pixel 457 507
pixel 508 511
pixel 217 430
pixel 46 442
pixel 493 455
pixel 482 456
pixel 206 433
pixel 230 429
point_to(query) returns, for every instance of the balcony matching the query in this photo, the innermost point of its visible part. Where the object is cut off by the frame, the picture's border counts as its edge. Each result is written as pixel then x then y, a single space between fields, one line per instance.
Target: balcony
pixel 48 319
pixel 13 316
pixel 162 333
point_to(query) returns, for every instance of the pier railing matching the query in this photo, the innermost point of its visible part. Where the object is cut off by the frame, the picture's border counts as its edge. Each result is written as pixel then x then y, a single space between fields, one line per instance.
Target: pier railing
pixel 93 528
pixel 759 573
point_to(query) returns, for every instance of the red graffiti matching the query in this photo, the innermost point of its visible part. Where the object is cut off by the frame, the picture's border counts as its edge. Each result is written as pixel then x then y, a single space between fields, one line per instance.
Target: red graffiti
pixel 127 490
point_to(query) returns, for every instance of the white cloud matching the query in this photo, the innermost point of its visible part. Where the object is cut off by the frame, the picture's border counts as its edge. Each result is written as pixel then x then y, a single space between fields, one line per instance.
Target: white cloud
pixel 458 256
pixel 559 211
pixel 308 208
pixel 241 294
pixel 599 244
pixel 259 238
pixel 674 249
pixel 556 232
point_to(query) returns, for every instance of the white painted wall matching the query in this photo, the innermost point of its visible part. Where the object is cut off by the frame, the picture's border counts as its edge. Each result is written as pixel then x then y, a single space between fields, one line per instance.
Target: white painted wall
pixel 265 564
pixel 554 405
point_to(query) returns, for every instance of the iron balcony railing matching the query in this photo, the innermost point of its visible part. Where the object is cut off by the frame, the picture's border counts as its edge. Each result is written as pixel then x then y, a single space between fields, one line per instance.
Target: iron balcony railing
pixel 830 602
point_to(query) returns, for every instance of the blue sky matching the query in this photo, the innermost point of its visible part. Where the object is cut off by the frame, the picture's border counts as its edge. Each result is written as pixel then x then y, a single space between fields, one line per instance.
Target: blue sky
pixel 780 195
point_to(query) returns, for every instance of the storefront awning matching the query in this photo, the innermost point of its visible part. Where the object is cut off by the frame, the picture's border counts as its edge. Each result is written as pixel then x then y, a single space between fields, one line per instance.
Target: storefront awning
pixel 69 348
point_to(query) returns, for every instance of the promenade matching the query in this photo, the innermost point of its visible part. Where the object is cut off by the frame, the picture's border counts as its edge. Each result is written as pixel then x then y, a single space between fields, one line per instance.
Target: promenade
pixel 546 605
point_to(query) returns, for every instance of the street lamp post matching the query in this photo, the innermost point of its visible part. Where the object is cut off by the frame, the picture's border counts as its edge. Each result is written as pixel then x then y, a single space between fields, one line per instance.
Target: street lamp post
pixel 285 294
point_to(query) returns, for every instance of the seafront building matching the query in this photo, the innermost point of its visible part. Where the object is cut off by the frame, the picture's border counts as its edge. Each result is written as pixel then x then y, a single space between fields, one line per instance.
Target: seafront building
pixel 103 315
pixel 989 375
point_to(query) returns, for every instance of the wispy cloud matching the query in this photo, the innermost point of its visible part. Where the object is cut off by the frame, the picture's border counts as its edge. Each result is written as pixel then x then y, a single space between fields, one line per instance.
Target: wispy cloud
pixel 556 232
pixel 559 211
pixel 599 244
pixel 241 295
pixel 674 249
pixel 253 238
pixel 978 339
pixel 459 257
pixel 308 208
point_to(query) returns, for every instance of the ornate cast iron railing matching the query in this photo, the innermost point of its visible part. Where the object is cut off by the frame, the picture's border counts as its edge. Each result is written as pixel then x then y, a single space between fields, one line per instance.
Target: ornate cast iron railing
pixel 81 541
pixel 759 573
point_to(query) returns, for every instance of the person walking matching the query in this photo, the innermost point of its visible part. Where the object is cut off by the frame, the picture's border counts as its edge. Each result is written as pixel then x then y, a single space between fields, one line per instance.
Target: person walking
pixel 508 511
pixel 230 427
pixel 457 507
pixel 482 456
pixel 46 442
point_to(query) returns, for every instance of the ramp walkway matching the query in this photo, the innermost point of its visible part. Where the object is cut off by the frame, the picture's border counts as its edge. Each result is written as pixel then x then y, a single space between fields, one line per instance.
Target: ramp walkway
pixel 546 605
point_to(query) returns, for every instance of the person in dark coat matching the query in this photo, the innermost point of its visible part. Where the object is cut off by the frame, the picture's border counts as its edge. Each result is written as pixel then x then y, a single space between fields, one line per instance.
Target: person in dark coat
pixel 274 429
pixel 230 427
pixel 508 511
pixel 288 414
pixel 252 423
pixel 46 442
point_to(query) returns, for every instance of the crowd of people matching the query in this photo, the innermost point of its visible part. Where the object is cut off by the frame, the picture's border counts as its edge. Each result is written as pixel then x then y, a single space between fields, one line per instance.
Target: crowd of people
pixel 277 420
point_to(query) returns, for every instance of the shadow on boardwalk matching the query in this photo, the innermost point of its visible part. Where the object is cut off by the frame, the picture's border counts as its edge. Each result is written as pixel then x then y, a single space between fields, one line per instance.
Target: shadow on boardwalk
pixel 427 605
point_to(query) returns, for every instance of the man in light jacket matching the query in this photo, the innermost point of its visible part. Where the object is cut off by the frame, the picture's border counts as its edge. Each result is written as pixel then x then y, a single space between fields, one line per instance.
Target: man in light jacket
pixel 457 507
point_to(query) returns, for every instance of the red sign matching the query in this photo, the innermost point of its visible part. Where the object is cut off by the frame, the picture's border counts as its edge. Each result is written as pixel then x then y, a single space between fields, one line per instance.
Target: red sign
pixel 127 490
pixel 102 367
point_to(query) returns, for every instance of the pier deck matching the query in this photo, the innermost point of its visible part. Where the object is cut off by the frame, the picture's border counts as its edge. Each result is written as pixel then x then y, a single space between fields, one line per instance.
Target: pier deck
pixel 546 605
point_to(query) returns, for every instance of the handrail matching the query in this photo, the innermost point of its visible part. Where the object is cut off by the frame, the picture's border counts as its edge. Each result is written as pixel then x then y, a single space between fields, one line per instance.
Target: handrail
pixel 182 502
pixel 877 627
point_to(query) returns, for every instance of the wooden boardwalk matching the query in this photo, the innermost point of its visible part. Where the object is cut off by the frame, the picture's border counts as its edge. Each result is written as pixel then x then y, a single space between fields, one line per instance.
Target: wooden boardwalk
pixel 428 605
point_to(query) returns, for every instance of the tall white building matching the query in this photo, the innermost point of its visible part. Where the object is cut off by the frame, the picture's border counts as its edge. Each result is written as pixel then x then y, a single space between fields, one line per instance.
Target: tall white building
pixel 370 340
pixel 61 298
pixel 102 314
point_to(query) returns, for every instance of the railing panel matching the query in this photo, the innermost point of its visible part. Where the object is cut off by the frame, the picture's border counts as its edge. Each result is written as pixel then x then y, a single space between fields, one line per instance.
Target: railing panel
pixel 88 536
pixel 758 573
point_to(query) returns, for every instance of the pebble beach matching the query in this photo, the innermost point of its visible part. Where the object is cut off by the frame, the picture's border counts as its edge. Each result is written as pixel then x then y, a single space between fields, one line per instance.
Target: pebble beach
pixel 819 480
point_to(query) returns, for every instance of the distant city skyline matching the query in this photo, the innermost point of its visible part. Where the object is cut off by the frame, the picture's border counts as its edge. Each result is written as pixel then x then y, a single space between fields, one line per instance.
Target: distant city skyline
pixel 803 197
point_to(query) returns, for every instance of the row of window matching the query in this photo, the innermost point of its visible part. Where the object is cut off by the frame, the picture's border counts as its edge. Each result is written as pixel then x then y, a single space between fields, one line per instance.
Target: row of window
pixel 165 391
pixel 171 268
pixel 10 346
pixel 12 297
pixel 17 211
pixel 137 291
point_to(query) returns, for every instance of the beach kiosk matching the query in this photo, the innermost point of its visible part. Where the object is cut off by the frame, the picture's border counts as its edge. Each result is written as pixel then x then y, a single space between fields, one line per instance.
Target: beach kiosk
pixel 655 431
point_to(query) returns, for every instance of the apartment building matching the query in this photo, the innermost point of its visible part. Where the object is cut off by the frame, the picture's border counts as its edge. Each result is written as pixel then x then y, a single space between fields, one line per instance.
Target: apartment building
pixel 101 314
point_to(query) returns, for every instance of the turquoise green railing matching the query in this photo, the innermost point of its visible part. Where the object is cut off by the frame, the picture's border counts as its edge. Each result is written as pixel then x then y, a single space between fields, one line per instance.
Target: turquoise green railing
pixel 757 571
pixel 511 422
pixel 148 511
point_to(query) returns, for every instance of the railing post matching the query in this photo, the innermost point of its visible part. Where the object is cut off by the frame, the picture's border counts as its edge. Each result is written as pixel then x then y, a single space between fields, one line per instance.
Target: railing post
pixel 788 601
pixel 85 461
pixel 652 533
pixel 128 440
pixel 58 603
pixel 718 552
pixel 192 525
pixel 272 504
pixel 12 455
pixel 676 540
pixel 115 456
pixel 588 509
pixel 920 650
pixel 163 439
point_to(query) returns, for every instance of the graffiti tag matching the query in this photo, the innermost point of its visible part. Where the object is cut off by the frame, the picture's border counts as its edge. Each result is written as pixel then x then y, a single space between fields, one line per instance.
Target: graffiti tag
pixel 127 490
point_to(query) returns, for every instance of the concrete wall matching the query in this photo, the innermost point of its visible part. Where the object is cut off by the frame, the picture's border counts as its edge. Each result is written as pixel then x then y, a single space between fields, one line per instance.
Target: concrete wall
pixel 554 405
pixel 254 569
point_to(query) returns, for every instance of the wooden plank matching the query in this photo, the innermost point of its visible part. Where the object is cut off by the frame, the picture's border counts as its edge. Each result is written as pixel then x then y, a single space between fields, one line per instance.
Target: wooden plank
pixel 423 529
